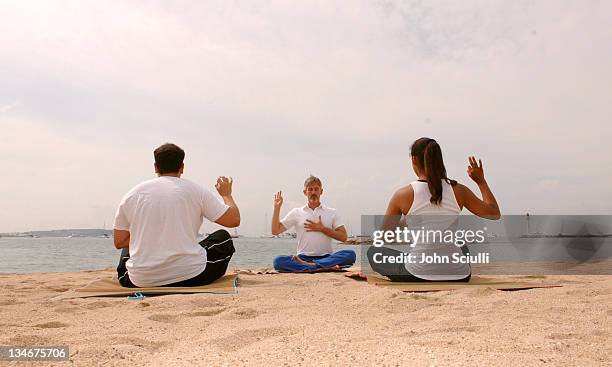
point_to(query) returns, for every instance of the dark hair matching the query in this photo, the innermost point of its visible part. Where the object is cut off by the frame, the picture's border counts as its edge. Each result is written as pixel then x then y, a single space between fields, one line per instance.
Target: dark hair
pixel 168 158
pixel 312 179
pixel 428 156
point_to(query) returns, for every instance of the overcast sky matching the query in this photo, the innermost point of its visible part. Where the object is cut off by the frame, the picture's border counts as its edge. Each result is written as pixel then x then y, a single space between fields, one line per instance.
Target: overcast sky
pixel 269 92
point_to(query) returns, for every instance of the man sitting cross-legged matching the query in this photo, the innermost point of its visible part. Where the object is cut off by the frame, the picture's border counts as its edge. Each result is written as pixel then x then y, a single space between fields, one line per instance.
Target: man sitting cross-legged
pixel 316 225
pixel 157 225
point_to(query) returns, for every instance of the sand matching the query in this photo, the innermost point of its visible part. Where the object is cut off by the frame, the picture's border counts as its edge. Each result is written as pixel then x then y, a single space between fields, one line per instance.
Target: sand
pixel 313 319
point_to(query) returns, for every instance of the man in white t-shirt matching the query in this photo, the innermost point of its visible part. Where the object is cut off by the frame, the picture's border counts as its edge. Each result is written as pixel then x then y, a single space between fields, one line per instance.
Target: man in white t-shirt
pixel 157 224
pixel 316 225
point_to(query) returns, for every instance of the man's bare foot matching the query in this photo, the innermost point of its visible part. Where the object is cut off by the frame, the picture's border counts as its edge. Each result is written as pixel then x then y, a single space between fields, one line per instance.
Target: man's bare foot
pixel 297 258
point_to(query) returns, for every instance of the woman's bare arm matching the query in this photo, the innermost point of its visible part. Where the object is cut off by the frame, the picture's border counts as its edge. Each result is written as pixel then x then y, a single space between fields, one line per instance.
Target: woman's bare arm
pixel 400 203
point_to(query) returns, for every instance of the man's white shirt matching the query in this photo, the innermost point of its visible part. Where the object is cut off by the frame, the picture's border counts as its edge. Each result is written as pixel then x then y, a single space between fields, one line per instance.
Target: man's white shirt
pixel 312 243
pixel 163 216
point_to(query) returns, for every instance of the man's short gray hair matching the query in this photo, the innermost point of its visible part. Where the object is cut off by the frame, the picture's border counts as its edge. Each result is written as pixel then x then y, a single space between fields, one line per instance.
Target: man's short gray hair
pixel 312 179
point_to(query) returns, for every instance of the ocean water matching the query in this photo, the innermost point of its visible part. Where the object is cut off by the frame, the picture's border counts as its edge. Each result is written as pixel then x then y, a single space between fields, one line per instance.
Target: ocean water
pixel 58 254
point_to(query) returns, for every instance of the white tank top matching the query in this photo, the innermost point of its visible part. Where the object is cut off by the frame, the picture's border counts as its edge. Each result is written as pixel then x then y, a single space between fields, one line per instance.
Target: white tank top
pixel 443 217
pixel 422 206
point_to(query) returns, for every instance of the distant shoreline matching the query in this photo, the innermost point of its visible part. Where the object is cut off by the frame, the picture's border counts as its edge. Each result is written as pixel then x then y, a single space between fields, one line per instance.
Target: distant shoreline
pixel 70 232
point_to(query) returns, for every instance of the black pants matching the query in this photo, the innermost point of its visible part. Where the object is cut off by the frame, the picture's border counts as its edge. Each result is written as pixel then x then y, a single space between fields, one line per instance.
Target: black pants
pixel 397 272
pixel 219 250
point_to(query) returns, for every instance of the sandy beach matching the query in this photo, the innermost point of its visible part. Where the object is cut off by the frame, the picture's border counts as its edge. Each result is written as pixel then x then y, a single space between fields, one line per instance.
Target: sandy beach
pixel 313 319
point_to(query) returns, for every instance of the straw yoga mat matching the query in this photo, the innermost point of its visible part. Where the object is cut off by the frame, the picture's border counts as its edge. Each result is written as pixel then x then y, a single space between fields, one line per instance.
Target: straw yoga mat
pixel 111 287
pixel 475 282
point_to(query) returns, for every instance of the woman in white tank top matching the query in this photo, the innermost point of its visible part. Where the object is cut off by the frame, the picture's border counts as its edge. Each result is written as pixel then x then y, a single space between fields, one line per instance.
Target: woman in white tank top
pixel 434 194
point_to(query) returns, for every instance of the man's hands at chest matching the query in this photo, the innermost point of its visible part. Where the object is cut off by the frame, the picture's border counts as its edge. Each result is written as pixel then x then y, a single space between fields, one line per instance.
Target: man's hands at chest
pixel 314 225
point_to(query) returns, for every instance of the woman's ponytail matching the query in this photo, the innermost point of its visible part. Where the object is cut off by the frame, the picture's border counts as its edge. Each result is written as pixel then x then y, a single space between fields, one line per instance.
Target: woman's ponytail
pixel 429 157
pixel 434 169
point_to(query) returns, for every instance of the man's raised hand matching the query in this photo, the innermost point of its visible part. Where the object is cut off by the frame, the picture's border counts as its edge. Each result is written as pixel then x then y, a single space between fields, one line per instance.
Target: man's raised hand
pixel 224 186
pixel 278 199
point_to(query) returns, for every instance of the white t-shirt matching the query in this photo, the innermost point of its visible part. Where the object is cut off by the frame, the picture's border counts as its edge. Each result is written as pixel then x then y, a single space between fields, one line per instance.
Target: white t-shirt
pixel 163 216
pixel 312 243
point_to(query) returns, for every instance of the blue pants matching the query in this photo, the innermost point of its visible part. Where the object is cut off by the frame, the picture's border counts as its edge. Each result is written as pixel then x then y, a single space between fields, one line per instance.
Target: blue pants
pixel 342 258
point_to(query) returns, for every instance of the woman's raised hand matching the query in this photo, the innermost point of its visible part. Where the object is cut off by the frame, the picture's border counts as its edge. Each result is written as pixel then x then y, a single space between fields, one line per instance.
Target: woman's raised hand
pixel 475 170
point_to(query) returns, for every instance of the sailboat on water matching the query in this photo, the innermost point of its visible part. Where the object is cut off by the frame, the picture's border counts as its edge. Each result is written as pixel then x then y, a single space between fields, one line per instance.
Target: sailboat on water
pixel 104 234
pixel 266 227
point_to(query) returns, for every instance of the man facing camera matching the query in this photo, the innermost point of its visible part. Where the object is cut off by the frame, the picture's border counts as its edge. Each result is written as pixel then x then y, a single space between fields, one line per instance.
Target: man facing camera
pixel 157 226
pixel 316 225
